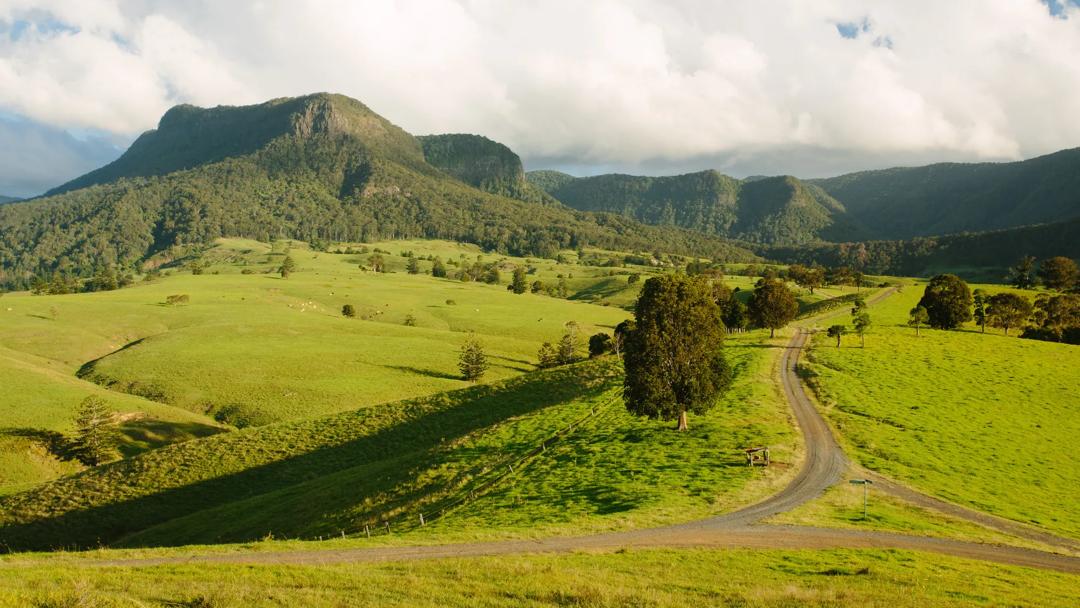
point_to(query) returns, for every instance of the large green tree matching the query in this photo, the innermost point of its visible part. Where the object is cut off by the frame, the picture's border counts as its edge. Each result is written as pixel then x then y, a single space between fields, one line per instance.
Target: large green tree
pixel 520 283
pixel 1007 310
pixel 1022 276
pixel 772 305
pixel 1059 273
pixel 673 354
pixel 947 301
pixel 472 361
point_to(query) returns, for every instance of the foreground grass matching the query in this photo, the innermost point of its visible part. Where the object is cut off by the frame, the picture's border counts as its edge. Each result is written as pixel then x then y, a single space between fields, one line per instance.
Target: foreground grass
pixel 651 578
pixel 983 420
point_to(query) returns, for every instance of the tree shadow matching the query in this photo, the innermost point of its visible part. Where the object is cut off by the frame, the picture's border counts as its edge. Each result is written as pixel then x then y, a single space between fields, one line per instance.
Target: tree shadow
pixel 323 451
pixel 144 434
pixel 430 373
pixel 57 444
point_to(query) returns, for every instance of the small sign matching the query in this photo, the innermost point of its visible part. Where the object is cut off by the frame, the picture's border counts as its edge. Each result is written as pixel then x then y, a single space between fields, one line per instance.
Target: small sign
pixel 861 481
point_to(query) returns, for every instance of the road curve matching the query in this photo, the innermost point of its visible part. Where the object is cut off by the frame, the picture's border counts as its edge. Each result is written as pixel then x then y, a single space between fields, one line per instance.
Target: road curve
pixel 824 465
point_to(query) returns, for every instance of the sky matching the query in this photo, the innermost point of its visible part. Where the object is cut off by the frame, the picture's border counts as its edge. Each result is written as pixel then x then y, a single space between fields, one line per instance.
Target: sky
pixel 803 87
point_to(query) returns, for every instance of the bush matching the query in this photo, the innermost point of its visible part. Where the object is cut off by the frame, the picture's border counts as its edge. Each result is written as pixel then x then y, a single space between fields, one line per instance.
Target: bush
pixel 177 299
pixel 242 416
pixel 348 311
pixel 410 321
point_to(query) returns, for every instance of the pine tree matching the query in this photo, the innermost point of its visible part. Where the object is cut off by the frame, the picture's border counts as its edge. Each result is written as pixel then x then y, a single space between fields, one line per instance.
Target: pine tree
pixel 288 266
pixel 520 283
pixel 413 267
pixel 95 435
pixel 473 361
pixel 438 269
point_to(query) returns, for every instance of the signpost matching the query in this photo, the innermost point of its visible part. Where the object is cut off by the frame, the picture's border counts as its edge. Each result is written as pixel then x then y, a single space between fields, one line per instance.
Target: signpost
pixel 863 483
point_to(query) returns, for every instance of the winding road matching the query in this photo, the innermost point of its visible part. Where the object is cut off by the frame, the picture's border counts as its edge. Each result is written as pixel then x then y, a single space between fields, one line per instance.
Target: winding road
pixel 824 464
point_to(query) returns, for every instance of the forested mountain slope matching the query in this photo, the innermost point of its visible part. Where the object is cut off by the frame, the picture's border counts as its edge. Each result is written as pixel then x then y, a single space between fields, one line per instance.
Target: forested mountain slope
pixel 315 167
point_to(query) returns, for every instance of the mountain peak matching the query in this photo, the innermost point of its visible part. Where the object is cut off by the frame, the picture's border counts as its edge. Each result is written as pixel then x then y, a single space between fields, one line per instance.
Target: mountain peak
pixel 188 136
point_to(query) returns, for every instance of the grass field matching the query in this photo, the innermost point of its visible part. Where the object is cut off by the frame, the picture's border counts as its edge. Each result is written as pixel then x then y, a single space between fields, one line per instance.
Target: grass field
pixel 648 578
pixel 323 476
pixel 983 420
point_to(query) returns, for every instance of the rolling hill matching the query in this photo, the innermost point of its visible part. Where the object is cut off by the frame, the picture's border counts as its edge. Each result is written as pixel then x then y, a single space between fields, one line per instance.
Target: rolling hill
pixel 484 164
pixel 316 167
pixel 774 210
pixel 7 199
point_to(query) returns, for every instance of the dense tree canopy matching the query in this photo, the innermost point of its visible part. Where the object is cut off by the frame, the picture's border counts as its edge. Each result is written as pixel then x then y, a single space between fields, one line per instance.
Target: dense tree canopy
pixel 947 301
pixel 772 305
pixel 674 355
pixel 1059 273
pixel 1007 310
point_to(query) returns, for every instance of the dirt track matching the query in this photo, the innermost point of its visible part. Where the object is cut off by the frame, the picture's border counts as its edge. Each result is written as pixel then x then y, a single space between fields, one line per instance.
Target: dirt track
pixel 823 466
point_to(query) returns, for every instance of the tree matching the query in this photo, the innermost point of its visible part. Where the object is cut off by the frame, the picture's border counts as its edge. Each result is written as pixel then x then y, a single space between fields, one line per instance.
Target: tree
pixel 1059 273
pixel 492 276
pixel 568 346
pixel 348 310
pixel 947 301
pixel 633 278
pixel 1058 319
pixel 735 315
pixel 563 290
pixel 861 323
pixel 618 337
pixel 918 317
pixel 599 344
pixel 547 356
pixel 807 278
pixel 1022 276
pixel 1008 310
pixel 537 286
pixel 96 436
pixel 673 355
pixel 438 269
pixel 413 267
pixel 772 305
pixel 473 361
pixel 377 263
pixel 836 331
pixel 519 284
pixel 288 266
pixel 979 297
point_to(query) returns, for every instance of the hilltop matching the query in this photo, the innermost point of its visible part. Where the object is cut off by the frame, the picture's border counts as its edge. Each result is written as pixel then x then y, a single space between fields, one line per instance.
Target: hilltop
pixel 482 163
pixel 773 210
pixel 320 167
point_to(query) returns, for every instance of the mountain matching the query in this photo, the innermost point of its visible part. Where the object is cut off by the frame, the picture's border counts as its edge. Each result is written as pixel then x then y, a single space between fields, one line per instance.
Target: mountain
pixel 482 163
pixel 768 210
pixel 982 256
pixel 319 167
pixel 947 198
pixel 7 199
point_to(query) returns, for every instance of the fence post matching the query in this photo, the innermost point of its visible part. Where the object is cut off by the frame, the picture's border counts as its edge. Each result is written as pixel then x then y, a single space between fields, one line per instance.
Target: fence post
pixel 421 519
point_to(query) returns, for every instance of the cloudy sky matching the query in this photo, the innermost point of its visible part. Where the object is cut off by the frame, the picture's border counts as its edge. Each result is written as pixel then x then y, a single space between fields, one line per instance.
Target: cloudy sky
pixel 811 88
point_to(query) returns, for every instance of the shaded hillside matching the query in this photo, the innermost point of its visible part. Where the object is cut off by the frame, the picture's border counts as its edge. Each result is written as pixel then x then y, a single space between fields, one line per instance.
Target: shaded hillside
pixel 981 256
pixel 773 210
pixel 482 163
pixel 548 180
pixel 317 167
pixel 7 199
pixel 953 197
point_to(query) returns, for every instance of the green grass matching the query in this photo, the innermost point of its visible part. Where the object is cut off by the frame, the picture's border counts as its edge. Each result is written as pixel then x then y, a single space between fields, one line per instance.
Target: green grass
pixel 983 420
pixel 323 476
pixel 639 578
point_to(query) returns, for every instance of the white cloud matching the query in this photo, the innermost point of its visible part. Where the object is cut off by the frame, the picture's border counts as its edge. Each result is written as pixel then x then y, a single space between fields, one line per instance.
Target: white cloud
pixel 636 83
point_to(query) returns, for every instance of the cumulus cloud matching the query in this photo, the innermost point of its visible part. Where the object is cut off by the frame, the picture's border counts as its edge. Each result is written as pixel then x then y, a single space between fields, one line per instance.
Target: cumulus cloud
pixel 823 86
pixel 36 157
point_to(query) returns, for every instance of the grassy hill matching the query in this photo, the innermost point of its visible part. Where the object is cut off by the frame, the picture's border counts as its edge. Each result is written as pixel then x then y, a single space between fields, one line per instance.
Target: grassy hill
pixel 321 167
pixel 391 462
pixel 774 210
pixel 945 198
pixel 983 420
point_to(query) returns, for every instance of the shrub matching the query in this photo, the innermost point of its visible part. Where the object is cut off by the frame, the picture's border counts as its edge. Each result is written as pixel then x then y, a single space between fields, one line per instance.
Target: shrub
pixel 349 311
pixel 177 299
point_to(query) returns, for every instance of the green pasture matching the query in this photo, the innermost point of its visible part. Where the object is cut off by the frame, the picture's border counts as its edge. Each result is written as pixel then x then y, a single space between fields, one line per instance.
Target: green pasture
pixel 984 420
pixel 649 578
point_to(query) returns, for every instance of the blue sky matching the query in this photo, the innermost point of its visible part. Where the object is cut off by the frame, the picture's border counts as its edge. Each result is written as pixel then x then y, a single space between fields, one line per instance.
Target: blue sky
pixel 643 86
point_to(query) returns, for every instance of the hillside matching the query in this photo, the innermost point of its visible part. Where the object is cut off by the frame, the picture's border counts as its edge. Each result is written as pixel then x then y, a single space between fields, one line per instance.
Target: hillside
pixel 7 199
pixel 774 210
pixel 316 167
pixel 945 198
pixel 983 256
pixel 482 163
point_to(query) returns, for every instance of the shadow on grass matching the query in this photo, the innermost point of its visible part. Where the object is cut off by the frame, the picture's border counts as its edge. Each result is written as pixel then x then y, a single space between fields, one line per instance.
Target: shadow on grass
pixel 145 434
pixel 430 373
pixel 56 514
pixel 57 444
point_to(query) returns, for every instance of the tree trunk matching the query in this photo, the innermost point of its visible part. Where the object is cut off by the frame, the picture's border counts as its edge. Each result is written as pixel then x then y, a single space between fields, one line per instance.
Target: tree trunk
pixel 772 332
pixel 682 421
pixel 837 340
pixel 862 341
